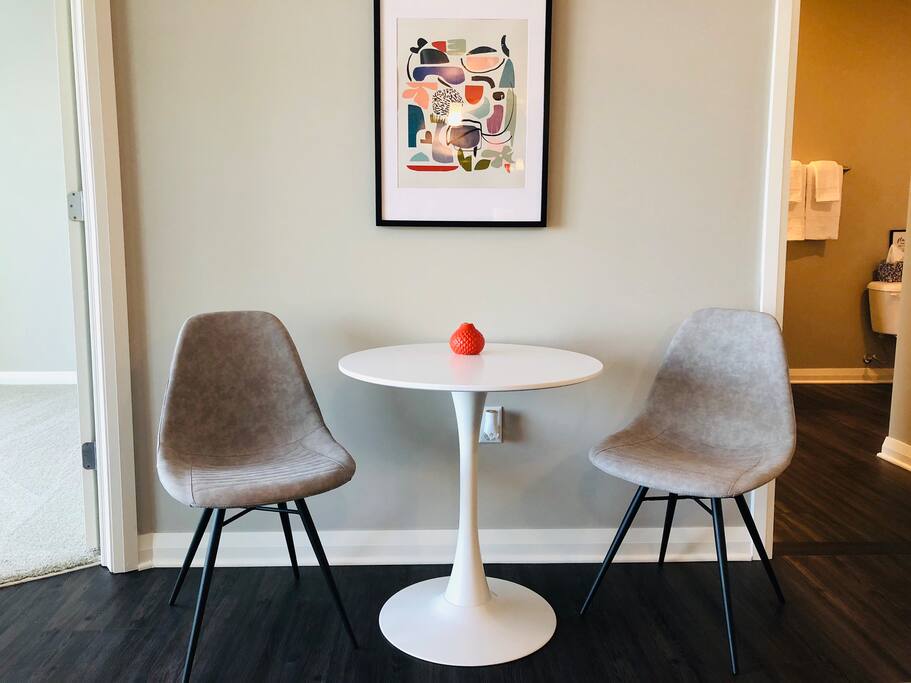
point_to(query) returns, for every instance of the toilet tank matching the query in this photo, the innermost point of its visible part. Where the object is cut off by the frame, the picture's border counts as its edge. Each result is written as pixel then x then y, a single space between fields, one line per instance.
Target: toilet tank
pixel 884 298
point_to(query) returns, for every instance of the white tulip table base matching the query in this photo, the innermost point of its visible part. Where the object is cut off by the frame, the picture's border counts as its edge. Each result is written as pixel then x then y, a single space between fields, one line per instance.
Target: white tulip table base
pixel 513 623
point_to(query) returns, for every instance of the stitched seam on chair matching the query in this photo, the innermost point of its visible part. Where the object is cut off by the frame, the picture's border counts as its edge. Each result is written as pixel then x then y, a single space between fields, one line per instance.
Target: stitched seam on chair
pixel 331 464
pixel 661 433
pixel 221 484
pixel 325 455
pixel 752 447
pixel 296 442
pixel 192 489
pixel 692 490
pixel 301 449
pixel 756 464
pixel 338 464
pixel 217 486
pixel 314 430
pixel 627 444
pixel 681 469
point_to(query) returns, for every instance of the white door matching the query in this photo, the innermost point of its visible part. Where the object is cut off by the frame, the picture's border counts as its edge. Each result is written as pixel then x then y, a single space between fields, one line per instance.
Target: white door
pixel 78 269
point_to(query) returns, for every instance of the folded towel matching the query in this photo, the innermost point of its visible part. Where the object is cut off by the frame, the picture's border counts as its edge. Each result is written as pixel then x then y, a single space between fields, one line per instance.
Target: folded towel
pixel 829 175
pixel 797 209
pixel 797 221
pixel 821 217
pixel 798 182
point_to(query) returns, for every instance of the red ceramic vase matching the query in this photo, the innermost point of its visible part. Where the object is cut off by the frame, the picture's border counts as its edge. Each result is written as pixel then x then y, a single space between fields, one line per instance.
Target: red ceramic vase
pixel 466 341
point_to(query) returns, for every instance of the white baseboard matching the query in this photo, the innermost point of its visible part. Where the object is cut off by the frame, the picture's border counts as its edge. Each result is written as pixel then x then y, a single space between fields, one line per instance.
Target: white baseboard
pixel 841 375
pixel 897 452
pixel 56 377
pixel 379 547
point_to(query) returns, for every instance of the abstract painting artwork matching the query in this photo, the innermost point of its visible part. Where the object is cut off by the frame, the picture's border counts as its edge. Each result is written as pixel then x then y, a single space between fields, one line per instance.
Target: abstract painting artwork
pixel 461 112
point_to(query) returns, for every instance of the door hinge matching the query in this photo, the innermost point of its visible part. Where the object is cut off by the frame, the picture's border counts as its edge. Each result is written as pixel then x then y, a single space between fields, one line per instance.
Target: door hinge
pixel 88 455
pixel 75 207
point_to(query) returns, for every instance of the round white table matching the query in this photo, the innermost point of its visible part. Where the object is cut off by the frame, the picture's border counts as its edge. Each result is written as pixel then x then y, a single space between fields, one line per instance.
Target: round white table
pixel 467 619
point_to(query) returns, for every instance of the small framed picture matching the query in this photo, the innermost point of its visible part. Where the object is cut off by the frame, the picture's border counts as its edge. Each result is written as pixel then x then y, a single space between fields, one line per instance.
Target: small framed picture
pixel 461 107
pixel 897 238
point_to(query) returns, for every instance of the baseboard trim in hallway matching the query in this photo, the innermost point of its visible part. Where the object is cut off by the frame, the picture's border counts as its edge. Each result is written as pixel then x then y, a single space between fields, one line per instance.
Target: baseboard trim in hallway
pixel 896 452
pixel 31 378
pixel 841 375
pixel 435 546
pixel 840 548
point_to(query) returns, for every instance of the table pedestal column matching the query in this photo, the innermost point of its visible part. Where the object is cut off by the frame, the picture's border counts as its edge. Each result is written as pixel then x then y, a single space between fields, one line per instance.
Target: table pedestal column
pixel 467 619
pixel 467 584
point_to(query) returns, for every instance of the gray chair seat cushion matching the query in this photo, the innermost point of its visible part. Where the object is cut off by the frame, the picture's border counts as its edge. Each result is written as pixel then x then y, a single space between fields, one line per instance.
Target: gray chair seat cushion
pixel 669 461
pixel 312 465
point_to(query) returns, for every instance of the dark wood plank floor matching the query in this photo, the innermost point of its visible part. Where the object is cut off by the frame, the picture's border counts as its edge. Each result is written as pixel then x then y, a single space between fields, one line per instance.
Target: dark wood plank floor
pixel 847 617
pixel 836 497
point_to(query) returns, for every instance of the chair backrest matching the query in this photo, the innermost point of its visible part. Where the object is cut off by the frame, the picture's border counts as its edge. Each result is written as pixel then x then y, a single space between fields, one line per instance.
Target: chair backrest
pixel 236 386
pixel 724 382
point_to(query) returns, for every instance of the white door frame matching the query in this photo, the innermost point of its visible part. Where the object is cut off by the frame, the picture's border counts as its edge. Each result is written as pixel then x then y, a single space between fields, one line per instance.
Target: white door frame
pixel 96 111
pixel 73 178
pixel 773 250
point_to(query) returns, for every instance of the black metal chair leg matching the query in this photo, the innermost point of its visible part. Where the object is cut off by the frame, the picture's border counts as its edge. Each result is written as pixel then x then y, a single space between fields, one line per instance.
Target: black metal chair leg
pixel 722 551
pixel 310 528
pixel 191 553
pixel 289 539
pixel 754 534
pixel 615 545
pixel 207 571
pixel 668 521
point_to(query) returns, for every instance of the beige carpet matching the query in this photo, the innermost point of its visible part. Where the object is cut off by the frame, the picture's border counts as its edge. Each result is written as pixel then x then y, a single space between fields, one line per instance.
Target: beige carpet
pixel 42 528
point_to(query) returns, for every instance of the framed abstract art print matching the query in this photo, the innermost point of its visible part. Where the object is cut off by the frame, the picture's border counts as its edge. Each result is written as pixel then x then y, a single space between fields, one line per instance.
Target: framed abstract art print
pixel 461 112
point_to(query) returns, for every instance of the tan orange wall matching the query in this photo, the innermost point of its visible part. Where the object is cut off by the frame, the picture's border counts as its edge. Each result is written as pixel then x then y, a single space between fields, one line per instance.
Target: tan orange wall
pixel 853 105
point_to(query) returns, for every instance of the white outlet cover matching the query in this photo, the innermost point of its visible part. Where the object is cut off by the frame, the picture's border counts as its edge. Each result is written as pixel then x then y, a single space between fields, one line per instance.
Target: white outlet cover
pixel 498 424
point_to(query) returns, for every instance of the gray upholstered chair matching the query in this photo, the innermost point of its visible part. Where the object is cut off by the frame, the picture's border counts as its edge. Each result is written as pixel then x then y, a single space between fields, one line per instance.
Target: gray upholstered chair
pixel 240 428
pixel 719 422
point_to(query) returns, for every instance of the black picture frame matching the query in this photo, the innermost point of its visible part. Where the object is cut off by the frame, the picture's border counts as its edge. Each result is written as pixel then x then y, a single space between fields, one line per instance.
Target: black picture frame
pixel 541 222
pixel 892 235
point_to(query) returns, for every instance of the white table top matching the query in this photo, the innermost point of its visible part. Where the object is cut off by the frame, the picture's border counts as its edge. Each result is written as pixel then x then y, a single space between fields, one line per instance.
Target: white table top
pixel 499 367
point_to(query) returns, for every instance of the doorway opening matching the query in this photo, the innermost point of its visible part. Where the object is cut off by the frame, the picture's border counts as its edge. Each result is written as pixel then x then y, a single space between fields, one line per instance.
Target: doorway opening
pixel 851 96
pixel 48 500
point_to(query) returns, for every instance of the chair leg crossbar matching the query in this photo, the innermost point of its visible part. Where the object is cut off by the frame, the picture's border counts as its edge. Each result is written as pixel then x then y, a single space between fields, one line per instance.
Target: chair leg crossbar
pixel 720 548
pixel 219 523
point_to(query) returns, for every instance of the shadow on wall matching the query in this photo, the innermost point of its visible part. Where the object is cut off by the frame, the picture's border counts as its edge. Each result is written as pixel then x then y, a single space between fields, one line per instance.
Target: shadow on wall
pixel 806 248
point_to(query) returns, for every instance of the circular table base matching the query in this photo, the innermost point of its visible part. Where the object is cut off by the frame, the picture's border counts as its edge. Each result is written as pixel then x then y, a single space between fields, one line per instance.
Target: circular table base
pixel 420 621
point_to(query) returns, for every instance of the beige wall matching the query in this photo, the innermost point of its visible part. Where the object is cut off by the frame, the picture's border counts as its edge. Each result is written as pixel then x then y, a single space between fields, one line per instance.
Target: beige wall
pixel 852 105
pixel 36 304
pixel 247 142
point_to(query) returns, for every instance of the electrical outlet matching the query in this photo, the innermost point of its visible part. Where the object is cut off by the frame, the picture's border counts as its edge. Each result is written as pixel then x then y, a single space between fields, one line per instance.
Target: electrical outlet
pixel 491 425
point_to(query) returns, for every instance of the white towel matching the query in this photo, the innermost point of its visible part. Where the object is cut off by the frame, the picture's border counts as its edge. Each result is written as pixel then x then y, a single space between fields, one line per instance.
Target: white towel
pixel 798 182
pixel 797 221
pixel 821 217
pixel 829 175
pixel 797 209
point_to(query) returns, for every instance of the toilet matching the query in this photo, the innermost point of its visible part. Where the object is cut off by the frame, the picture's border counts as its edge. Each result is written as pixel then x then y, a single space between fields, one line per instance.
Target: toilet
pixel 884 298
